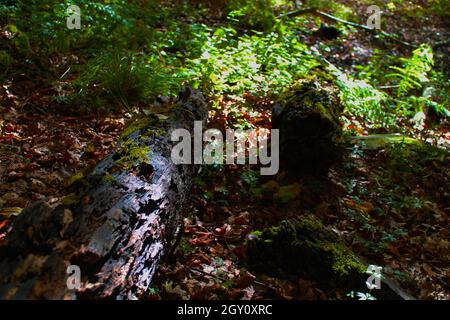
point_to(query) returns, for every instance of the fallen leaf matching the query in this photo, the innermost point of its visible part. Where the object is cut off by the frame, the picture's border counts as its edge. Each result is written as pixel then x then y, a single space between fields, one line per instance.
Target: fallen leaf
pixel 249 292
pixel 12 211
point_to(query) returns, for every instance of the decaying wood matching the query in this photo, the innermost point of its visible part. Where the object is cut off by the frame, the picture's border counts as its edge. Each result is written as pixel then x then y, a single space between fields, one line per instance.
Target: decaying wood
pixel 116 224
pixel 304 247
pixel 310 129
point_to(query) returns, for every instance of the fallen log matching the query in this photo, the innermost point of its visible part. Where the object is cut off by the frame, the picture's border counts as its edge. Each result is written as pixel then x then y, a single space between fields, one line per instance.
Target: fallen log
pixel 115 225
pixel 304 247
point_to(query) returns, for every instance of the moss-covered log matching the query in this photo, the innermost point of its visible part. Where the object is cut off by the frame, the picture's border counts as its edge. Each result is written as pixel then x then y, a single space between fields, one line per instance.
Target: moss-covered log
pixel 116 223
pixel 303 246
pixel 307 116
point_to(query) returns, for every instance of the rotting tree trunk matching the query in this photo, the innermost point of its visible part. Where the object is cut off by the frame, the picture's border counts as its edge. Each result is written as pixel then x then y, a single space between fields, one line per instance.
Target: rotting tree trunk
pixel 310 130
pixel 117 223
pixel 304 247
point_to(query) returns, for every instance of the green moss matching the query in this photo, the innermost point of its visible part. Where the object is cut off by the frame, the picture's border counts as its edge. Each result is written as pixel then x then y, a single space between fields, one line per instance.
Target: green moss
pixel 270 187
pixel 74 178
pixel 5 62
pixel 148 125
pixel 131 153
pixel 287 193
pixel 137 124
pixel 130 150
pixel 309 222
pixel 314 95
pixel 322 75
pixel 108 177
pixel 307 102
pixel 344 262
pixel 70 199
pixel 304 247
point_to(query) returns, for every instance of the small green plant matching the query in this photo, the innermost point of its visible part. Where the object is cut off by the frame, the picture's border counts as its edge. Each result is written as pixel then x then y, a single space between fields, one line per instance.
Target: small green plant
pixel 414 72
pixel 363 101
pixel 259 64
pixel 259 14
pixel 361 295
pixel 125 78
pixel 250 177
pixel 440 7
pixel 419 86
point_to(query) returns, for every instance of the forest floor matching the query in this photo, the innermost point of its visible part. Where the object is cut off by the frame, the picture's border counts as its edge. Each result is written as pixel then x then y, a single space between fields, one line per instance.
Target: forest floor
pixel 391 205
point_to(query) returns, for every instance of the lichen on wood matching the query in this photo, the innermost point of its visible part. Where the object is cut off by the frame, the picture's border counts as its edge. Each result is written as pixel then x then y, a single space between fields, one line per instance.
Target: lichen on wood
pixel 116 222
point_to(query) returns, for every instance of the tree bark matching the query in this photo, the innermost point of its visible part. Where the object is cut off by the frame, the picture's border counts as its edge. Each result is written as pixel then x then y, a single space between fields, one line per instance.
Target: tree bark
pixel 310 129
pixel 116 224
pixel 304 247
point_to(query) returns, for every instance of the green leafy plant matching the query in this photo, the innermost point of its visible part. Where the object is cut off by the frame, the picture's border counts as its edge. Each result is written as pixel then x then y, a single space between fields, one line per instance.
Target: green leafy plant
pixel 259 64
pixel 259 14
pixel 361 295
pixel 125 78
pixel 363 101
pixel 417 82
pixel 414 72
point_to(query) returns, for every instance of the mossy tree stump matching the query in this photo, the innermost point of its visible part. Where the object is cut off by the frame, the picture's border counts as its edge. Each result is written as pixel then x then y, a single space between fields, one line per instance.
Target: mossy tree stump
pixel 307 116
pixel 304 247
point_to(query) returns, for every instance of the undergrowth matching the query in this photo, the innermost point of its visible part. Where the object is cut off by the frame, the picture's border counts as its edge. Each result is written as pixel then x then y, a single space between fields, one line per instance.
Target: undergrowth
pixel 131 51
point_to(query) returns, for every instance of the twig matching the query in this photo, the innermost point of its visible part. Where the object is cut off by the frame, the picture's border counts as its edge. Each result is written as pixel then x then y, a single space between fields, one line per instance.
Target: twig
pixel 389 87
pixel 298 12
pixel 353 24
pixel 439 44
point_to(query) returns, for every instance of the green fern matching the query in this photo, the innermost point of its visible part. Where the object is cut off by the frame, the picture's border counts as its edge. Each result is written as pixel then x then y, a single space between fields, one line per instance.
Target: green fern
pixel 414 73
pixel 126 78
